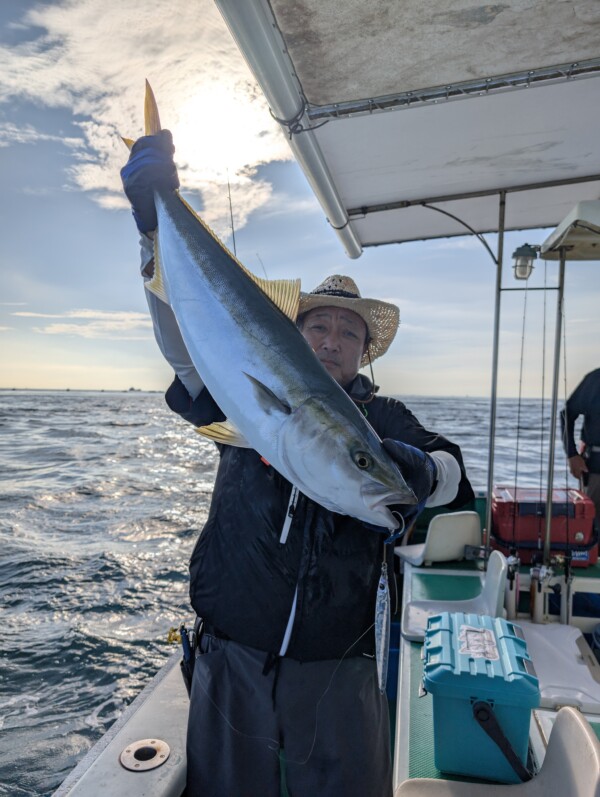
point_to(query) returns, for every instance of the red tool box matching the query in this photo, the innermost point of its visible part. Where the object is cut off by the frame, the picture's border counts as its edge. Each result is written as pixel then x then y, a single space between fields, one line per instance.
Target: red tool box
pixel 519 521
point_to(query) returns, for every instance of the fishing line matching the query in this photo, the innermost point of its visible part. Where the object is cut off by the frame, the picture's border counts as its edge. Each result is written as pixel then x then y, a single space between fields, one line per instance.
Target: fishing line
pixel 368 400
pixel 568 536
pixel 273 744
pixel 542 420
pixel 263 266
pixel 514 508
pixel 231 214
pixel 327 688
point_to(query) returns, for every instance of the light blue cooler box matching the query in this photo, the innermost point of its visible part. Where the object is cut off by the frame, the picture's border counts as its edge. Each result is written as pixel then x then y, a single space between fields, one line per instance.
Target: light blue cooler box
pixel 470 658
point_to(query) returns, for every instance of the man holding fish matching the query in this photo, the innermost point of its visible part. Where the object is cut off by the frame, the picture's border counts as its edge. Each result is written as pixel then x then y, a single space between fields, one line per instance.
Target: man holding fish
pixel 317 475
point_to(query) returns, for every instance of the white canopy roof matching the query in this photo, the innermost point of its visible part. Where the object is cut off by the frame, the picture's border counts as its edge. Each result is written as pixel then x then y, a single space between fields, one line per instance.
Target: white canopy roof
pixel 391 106
pixel 578 234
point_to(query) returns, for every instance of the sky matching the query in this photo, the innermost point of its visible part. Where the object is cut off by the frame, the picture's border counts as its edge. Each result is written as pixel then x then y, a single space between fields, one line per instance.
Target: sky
pixel 72 307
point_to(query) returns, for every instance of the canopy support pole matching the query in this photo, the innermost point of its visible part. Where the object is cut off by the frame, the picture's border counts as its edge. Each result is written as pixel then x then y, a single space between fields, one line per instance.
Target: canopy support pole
pixel 264 51
pixel 552 443
pixel 494 390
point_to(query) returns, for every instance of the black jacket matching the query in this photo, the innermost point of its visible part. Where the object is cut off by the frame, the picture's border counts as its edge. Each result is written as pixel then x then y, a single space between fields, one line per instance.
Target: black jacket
pixel 243 579
pixel 585 400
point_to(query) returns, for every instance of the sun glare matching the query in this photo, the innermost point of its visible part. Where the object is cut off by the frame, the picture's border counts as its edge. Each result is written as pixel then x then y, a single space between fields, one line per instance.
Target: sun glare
pixel 221 132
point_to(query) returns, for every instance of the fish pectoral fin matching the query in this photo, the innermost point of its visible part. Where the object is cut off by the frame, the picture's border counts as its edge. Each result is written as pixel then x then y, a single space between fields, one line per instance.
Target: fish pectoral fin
pixel 224 432
pixel 156 284
pixel 270 403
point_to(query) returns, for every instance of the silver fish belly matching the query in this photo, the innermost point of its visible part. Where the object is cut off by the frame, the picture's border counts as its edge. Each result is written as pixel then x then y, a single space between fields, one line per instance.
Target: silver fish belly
pixel 265 377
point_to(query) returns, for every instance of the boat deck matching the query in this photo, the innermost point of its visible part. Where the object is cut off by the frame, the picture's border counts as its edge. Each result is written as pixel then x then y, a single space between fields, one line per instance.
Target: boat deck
pixel 413 736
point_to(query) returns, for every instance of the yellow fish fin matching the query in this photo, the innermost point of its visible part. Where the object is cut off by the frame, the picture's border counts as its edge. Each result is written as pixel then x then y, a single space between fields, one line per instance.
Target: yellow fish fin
pixel 156 285
pixel 151 117
pixel 224 432
pixel 285 294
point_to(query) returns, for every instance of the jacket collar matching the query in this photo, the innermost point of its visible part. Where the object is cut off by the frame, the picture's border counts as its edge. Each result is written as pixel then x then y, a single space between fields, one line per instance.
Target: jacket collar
pixel 361 388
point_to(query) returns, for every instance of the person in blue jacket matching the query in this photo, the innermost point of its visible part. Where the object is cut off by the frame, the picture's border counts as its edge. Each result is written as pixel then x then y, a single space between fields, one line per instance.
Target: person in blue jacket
pixel 585 464
pixel 285 685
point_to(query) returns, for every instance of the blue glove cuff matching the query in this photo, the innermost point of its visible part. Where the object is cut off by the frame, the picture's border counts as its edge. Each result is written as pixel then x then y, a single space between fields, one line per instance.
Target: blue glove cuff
pixel 150 168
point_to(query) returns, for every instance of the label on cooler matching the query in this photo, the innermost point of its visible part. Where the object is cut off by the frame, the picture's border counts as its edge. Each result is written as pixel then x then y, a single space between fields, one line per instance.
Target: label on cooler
pixel 478 643
pixel 580 556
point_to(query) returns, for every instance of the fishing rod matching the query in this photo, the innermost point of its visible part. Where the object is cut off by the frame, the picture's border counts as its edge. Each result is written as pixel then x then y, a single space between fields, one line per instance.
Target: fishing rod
pixel 233 227
pixel 231 214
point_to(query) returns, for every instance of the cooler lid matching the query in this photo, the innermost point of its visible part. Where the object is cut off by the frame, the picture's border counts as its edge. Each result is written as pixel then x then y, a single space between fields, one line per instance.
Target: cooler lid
pixel 532 500
pixel 475 656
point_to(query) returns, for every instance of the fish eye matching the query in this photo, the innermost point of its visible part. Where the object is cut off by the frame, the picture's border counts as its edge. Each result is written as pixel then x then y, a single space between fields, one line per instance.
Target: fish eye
pixel 362 460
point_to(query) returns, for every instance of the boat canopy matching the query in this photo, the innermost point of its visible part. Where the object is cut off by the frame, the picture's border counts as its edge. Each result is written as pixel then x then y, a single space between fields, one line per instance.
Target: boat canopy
pixel 392 107
pixel 578 235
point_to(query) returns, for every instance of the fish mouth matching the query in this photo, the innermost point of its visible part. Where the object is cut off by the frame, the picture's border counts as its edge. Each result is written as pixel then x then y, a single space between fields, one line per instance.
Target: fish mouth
pixel 375 495
pixel 385 517
pixel 378 498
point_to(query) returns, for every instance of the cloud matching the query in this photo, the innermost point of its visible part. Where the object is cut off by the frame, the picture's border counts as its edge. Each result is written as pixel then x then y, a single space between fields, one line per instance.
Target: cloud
pixel 92 56
pixel 5 329
pixel 11 133
pixel 465 241
pixel 103 324
pixel 282 204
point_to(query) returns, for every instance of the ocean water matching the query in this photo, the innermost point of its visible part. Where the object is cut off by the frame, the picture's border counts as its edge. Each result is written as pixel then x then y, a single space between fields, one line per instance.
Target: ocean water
pixel 102 497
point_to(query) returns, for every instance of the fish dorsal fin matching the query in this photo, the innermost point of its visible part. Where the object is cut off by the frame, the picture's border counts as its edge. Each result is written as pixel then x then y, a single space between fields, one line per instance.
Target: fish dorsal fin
pixel 156 284
pixel 224 432
pixel 285 294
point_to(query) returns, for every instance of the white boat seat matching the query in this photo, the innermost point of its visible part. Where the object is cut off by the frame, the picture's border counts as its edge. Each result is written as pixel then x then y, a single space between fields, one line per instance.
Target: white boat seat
pixel 567 669
pixel 490 601
pixel 571 768
pixel 445 541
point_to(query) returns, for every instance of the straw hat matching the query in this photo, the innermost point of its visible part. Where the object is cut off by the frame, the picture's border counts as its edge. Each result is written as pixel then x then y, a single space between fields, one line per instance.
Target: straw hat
pixel 381 318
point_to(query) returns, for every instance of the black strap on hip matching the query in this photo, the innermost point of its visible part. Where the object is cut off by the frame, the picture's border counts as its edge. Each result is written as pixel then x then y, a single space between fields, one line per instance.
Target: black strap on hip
pixel 485 717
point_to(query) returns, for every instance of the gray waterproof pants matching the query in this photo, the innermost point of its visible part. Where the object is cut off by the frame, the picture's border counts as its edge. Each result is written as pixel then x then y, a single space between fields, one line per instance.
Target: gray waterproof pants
pixel 323 724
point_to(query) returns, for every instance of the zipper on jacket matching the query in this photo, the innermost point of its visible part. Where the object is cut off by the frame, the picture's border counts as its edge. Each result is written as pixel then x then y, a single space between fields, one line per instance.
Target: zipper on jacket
pixel 289 515
pixel 294 495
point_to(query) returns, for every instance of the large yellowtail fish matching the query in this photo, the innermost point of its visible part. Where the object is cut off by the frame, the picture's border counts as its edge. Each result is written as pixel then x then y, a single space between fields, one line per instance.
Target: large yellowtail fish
pixel 241 335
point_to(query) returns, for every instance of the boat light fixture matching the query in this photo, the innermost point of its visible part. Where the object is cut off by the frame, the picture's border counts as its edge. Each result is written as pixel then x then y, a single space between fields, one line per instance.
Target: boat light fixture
pixel 524 256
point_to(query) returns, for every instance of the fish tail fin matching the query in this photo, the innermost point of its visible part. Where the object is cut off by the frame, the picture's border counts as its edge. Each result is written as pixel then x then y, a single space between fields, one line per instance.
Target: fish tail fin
pixel 151 117
pixel 284 293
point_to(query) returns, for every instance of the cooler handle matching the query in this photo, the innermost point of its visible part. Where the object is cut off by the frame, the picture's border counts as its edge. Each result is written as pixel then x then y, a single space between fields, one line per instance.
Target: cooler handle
pixel 483 713
pixel 517 631
pixel 528 667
